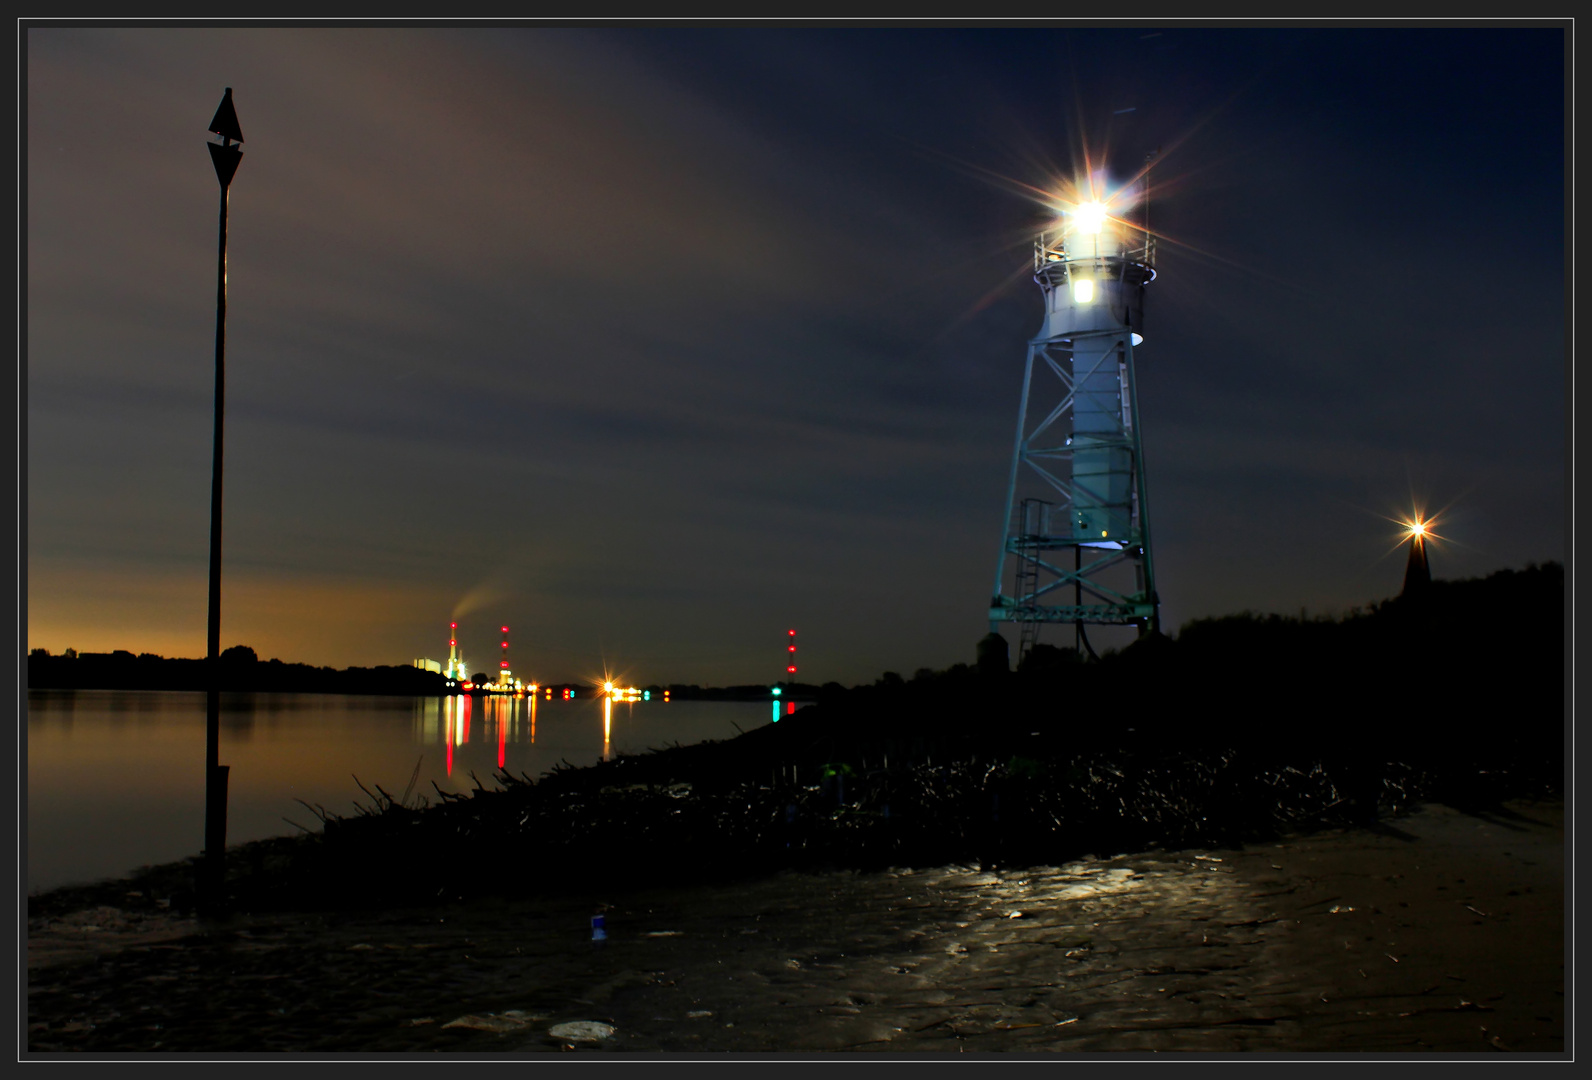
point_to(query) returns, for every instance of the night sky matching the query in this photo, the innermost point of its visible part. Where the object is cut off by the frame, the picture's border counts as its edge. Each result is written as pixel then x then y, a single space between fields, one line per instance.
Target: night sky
pixel 654 343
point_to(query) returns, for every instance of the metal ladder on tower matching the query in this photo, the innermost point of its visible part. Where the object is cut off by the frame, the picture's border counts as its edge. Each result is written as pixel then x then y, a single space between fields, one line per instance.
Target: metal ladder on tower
pixel 1033 514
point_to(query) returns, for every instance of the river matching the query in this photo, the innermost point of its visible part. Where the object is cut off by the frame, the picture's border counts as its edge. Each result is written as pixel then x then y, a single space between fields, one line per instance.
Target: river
pixel 115 778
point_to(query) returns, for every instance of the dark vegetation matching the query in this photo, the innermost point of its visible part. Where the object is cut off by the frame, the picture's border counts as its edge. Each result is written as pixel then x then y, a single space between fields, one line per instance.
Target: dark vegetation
pixel 746 691
pixel 240 670
pixel 1239 730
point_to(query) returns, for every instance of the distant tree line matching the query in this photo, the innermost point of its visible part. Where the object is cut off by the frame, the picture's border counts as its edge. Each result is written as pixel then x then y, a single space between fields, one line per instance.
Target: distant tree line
pixel 745 691
pixel 240 669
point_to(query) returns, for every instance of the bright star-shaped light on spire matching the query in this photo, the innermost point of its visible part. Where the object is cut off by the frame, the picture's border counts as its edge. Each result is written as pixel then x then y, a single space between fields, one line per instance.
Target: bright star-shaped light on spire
pixel 1417 528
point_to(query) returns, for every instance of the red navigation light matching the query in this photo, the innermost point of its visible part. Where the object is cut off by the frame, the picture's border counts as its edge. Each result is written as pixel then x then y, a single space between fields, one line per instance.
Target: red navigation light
pixel 505 629
pixel 791 669
pixel 793 648
pixel 505 663
pixel 451 644
pixel 792 633
pixel 453 626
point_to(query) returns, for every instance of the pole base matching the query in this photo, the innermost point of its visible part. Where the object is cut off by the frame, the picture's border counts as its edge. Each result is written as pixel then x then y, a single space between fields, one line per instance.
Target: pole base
pixel 212 883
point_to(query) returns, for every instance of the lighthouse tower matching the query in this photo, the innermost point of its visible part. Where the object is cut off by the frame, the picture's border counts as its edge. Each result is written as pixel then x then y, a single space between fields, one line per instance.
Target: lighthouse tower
pixel 1417 572
pixel 1075 545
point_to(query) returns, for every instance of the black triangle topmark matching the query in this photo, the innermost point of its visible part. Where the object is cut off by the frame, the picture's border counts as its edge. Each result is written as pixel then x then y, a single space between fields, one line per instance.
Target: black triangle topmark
pixel 225 122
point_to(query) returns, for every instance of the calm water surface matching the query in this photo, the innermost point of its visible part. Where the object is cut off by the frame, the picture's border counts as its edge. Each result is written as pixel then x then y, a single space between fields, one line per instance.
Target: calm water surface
pixel 116 777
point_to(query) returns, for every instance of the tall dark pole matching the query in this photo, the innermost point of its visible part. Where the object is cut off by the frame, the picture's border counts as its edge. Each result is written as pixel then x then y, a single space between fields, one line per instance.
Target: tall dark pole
pixel 225 157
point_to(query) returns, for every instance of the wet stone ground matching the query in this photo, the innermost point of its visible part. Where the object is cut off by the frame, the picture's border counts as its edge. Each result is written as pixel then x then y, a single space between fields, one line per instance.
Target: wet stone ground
pixel 1436 932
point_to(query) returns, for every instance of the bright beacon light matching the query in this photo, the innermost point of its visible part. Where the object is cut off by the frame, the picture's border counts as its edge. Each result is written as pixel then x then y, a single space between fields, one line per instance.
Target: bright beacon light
pixel 1418 529
pixel 1082 290
pixel 1091 217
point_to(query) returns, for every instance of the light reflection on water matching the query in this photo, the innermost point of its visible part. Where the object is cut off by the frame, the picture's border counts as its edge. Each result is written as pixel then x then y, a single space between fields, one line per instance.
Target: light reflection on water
pixel 511 720
pixel 116 778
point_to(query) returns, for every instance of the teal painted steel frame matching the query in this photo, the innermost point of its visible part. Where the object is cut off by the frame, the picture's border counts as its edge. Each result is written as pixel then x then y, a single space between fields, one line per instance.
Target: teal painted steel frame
pixel 1026 549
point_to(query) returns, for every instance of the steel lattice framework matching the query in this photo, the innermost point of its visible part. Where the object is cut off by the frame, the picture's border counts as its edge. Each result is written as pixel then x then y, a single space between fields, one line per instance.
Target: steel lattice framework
pixel 1076 545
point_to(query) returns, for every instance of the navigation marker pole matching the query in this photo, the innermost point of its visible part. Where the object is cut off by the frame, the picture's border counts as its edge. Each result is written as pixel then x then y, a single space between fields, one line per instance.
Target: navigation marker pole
pixel 212 876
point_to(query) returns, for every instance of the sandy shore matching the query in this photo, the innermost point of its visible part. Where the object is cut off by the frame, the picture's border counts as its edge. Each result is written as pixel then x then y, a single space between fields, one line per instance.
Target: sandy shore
pixel 1434 932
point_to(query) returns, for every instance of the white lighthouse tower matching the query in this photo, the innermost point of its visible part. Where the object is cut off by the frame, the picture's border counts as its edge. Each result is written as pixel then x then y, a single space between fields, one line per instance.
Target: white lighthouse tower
pixel 1076 542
